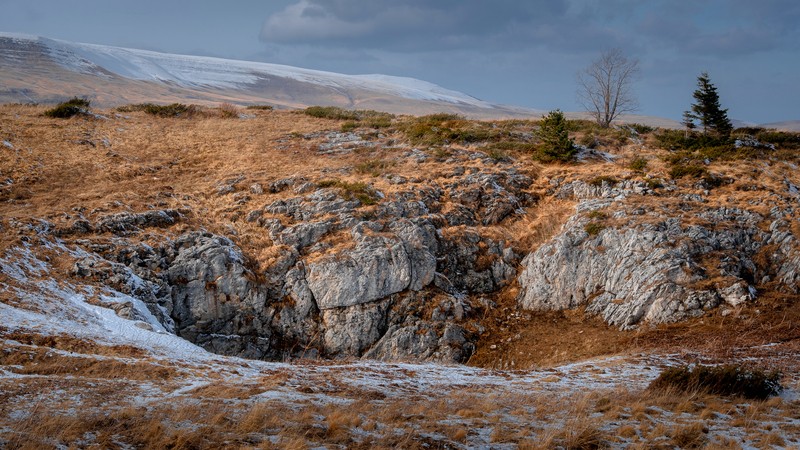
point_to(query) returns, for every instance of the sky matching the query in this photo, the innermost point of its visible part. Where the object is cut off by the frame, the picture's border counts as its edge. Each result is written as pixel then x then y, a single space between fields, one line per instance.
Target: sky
pixel 517 52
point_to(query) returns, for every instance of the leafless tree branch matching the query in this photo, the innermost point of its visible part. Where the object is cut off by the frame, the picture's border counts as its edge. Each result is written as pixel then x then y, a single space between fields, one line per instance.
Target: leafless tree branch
pixel 605 87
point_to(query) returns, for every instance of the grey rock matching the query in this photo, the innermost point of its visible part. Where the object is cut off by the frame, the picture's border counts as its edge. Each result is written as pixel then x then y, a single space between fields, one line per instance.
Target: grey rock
pixel 376 268
pixel 128 223
pixel 303 234
pixel 350 331
pixel 421 247
pixel 422 341
pixel 216 302
pixel 644 272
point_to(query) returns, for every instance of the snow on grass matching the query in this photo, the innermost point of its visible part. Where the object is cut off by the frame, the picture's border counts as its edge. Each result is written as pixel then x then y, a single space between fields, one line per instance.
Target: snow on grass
pixel 198 71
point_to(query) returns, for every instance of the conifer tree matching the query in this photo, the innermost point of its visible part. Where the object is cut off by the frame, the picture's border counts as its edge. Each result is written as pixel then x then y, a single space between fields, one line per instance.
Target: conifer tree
pixel 707 109
pixel 556 144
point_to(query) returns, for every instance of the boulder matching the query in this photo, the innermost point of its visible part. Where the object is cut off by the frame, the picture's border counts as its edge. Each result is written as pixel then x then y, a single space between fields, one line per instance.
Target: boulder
pixel 377 267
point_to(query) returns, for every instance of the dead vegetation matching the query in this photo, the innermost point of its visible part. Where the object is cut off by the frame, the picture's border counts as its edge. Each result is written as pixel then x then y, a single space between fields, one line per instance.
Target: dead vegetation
pixel 86 167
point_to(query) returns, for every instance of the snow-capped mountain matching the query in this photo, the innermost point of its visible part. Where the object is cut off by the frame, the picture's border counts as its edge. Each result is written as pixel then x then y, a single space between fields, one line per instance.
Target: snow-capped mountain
pixel 42 69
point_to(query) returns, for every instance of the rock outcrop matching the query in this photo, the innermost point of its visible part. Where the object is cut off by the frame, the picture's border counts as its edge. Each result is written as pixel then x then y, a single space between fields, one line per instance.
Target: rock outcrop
pixel 632 265
pixel 396 289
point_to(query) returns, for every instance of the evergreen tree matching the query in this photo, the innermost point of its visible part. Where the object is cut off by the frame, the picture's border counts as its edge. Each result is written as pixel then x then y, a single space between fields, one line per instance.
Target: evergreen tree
pixel 556 144
pixel 707 109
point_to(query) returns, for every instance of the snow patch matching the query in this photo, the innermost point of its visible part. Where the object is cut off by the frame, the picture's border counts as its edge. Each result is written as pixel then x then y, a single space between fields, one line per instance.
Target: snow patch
pixel 200 71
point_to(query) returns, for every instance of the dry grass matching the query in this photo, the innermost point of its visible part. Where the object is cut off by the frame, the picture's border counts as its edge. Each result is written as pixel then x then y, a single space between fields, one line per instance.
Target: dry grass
pixel 205 418
pixel 99 167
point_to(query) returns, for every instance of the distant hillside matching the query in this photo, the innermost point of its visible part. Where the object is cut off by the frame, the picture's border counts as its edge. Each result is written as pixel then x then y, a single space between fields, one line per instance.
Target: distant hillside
pixel 46 70
pixel 789 125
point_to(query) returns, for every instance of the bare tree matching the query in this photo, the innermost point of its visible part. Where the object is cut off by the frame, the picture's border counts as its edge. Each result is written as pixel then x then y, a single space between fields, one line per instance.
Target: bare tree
pixel 605 87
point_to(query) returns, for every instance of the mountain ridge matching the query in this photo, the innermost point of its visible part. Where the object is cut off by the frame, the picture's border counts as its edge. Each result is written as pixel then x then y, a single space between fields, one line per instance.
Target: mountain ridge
pixel 72 67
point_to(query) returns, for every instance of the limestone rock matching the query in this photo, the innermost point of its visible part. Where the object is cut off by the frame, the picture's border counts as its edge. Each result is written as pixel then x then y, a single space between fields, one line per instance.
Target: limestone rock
pixel 127 223
pixel 649 272
pixel 216 303
pixel 377 267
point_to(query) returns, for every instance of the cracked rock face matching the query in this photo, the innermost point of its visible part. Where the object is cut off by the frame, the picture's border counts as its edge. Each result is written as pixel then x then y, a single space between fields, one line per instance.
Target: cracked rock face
pixel 367 298
pixel 653 271
pixel 376 268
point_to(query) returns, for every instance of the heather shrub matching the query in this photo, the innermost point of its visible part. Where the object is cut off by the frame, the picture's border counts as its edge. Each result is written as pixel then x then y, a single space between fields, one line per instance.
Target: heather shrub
pixel 69 108
pixel 727 380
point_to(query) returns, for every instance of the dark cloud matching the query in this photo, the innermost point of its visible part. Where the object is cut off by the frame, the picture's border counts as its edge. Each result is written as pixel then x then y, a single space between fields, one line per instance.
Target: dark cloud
pixel 703 27
pixel 411 25
pixel 523 52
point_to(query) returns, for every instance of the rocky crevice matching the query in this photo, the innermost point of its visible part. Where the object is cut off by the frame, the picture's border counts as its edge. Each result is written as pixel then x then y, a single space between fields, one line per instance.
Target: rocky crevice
pixel 395 290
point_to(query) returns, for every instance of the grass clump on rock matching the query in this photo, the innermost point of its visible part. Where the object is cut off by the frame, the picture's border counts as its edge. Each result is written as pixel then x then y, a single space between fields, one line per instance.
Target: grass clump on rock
pixel 353 190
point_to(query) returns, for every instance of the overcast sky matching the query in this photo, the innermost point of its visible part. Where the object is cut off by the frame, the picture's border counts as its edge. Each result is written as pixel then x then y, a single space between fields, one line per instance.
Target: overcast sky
pixel 519 52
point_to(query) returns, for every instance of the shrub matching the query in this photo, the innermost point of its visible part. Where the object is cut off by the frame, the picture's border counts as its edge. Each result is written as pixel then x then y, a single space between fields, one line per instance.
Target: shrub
pixel 727 380
pixel 680 140
pixel 779 138
pixel 330 112
pixel 260 107
pixel 350 125
pixel 359 117
pixel 228 111
pixel 638 164
pixel 514 146
pixel 173 110
pixel 497 154
pixel 441 129
pixel 381 120
pixel 655 183
pixel 594 228
pixel 599 180
pixel 641 128
pixel 69 108
pixel 374 167
pixel 556 144
pixel 597 215
pixel 747 131
pixel 588 141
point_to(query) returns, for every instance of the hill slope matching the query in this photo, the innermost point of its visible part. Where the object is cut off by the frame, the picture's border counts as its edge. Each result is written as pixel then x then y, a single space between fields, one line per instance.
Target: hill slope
pixel 41 69
pixel 134 246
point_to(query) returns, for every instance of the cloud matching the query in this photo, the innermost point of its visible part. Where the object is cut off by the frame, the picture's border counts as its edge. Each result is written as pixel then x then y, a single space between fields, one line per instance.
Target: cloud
pixel 704 27
pixel 410 25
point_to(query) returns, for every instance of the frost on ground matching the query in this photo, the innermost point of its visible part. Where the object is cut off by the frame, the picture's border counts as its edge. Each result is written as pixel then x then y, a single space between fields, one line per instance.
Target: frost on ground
pixel 77 374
